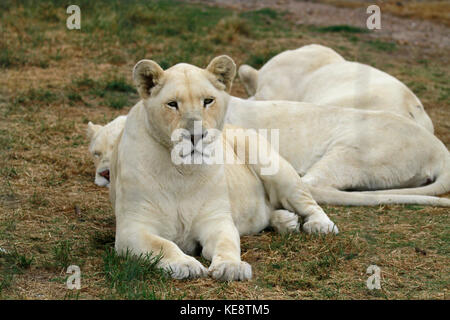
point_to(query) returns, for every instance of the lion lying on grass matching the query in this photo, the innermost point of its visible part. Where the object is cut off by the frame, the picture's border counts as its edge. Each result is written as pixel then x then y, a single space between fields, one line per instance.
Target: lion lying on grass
pixel 337 149
pixel 319 75
pixel 168 208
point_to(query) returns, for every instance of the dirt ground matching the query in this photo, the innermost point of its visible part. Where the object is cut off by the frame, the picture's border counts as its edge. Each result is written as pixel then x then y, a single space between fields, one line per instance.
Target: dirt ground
pixel 418 32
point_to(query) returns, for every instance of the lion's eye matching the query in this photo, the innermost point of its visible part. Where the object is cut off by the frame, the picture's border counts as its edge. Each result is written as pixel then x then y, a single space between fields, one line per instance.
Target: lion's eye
pixel 207 102
pixel 97 154
pixel 173 104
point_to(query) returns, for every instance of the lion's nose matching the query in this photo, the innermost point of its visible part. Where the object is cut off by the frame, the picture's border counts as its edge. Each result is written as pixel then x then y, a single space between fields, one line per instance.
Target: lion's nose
pixel 105 174
pixel 196 137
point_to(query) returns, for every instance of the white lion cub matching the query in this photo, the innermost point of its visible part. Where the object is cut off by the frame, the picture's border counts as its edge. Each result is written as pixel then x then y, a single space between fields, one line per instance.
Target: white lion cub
pixel 319 75
pixel 162 207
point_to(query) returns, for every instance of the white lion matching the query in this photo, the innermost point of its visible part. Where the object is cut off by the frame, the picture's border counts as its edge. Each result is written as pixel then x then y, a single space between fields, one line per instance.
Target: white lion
pixel 101 146
pixel 338 149
pixel 165 208
pixel 341 149
pixel 319 75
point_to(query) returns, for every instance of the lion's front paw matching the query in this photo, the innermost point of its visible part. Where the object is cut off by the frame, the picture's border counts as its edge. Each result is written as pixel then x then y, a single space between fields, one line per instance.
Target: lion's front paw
pixel 188 267
pixel 319 224
pixel 284 221
pixel 231 270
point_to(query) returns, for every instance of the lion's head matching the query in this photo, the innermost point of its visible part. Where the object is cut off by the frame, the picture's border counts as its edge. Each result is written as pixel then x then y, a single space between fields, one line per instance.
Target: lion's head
pixel 102 141
pixel 185 99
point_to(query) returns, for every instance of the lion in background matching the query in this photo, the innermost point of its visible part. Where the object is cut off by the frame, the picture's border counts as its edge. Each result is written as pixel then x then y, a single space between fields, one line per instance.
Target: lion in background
pixel 319 75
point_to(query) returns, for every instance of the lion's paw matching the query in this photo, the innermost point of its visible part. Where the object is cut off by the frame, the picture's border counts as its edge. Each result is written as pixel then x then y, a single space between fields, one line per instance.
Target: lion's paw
pixel 231 270
pixel 319 224
pixel 284 221
pixel 188 267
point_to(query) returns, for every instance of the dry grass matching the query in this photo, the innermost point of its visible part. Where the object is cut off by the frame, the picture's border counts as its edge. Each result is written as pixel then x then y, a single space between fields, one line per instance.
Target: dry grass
pixel 51 213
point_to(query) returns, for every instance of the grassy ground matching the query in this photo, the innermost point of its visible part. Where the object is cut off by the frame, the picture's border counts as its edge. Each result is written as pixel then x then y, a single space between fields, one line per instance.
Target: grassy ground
pixel 55 80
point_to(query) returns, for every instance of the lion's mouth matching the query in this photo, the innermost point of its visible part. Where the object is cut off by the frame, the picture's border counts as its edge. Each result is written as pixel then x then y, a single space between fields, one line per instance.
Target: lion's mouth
pixel 191 154
pixel 104 174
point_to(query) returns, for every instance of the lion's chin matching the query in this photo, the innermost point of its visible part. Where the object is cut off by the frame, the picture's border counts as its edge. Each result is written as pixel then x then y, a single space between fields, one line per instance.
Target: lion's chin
pixel 101 181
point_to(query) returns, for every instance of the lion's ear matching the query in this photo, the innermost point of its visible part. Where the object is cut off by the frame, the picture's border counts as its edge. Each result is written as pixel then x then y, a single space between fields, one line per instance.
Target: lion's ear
pixel 92 129
pixel 146 75
pixel 224 69
pixel 249 78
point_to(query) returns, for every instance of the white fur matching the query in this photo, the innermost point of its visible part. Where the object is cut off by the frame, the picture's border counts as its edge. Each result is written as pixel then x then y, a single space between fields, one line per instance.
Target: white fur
pixel 319 75
pixel 414 158
pixel 103 139
pixel 165 208
pixel 337 149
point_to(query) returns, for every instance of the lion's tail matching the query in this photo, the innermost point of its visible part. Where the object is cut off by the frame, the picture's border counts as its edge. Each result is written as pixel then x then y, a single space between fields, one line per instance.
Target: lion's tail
pixel 337 197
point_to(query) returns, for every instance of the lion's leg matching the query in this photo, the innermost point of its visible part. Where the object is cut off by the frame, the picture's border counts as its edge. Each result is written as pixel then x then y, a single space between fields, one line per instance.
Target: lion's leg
pixel 221 244
pixel 138 240
pixel 285 187
pixel 296 197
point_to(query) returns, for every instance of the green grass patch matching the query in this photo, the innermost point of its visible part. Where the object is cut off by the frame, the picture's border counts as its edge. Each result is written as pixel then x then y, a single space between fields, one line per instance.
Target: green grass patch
pixel 382 45
pixel 116 101
pixel 257 60
pixel 119 84
pixel 343 28
pixel 61 255
pixel 135 277
pixel 12 263
pixel 114 91
pixel 7 140
pixel 36 96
